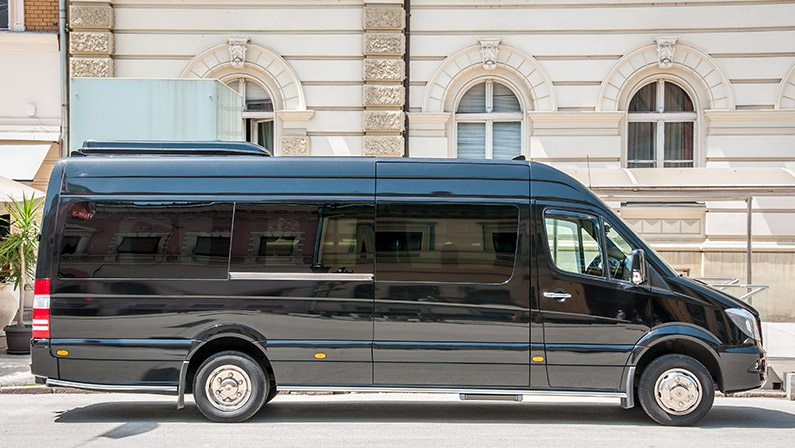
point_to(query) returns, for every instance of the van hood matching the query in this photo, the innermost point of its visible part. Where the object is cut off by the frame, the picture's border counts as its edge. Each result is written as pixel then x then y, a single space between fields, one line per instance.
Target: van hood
pixel 698 289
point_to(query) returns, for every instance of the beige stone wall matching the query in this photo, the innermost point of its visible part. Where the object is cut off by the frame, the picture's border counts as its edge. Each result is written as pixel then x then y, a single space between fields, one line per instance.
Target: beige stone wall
pixel 383 47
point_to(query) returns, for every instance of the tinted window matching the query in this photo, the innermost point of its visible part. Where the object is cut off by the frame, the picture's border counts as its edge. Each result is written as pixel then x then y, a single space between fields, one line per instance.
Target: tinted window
pixel 145 240
pixel 574 244
pixel 446 243
pixel 319 238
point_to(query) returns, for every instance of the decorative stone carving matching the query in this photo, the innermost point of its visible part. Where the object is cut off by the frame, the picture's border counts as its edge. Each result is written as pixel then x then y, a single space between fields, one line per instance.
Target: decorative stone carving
pixel 91 67
pixel 294 146
pixel 384 18
pixel 91 17
pixel 91 42
pixel 383 120
pixel 666 46
pixel 383 146
pixel 381 44
pixel 377 95
pixel 384 70
pixel 489 49
pixel 237 50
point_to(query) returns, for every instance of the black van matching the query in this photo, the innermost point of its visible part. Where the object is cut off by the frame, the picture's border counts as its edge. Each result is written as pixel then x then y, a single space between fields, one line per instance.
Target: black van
pixel 220 271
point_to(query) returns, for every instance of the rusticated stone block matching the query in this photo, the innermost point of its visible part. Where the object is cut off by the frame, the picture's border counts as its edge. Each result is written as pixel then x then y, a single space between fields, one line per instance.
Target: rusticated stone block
pixel 294 146
pixel 91 67
pixel 383 146
pixel 384 70
pixel 91 17
pixel 91 42
pixel 382 44
pixel 384 18
pixel 377 95
pixel 383 120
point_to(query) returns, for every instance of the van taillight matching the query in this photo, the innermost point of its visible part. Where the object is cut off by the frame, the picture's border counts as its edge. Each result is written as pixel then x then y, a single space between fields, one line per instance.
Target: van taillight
pixel 41 309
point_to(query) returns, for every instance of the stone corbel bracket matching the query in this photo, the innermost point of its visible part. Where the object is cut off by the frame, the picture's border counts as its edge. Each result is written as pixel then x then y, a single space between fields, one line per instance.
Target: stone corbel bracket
pixel 666 46
pixel 237 51
pixel 489 48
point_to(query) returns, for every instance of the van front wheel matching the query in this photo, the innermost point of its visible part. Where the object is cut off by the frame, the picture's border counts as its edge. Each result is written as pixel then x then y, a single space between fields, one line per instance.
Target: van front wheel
pixel 676 390
pixel 230 387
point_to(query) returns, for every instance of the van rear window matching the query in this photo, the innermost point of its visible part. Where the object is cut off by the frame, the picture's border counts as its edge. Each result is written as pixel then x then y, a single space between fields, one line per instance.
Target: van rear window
pixel 122 239
pixel 446 243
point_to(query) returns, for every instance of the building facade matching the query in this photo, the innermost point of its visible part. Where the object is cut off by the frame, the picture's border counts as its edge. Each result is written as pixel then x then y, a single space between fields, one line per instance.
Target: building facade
pixel 30 90
pixel 704 90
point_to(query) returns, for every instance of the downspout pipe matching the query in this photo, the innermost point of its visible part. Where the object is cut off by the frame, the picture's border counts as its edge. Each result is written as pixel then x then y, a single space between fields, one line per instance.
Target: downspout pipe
pixel 407 78
pixel 64 78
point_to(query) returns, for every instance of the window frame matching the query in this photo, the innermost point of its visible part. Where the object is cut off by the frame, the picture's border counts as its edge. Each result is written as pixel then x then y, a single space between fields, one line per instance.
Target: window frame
pixel 660 117
pixel 16 16
pixel 252 119
pixel 580 215
pixel 601 220
pixel 488 117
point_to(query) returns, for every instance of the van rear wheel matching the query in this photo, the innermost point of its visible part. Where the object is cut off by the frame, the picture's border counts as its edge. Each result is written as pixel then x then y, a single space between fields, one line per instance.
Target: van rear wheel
pixel 230 387
pixel 676 390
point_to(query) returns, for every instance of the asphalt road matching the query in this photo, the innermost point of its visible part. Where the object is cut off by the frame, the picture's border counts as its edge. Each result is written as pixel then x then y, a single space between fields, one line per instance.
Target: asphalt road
pixel 366 420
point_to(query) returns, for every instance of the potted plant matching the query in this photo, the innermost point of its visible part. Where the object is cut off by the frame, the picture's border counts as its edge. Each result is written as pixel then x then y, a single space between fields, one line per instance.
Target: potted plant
pixel 18 261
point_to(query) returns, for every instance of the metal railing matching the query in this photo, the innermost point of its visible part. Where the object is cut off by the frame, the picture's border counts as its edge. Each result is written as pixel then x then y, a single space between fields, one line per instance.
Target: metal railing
pixel 754 295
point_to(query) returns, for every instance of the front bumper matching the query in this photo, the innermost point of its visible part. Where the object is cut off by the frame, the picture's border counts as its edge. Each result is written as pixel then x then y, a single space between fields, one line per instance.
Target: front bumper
pixel 743 368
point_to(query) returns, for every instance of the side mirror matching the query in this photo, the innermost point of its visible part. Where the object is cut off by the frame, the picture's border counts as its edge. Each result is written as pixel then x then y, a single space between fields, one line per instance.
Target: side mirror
pixel 638 262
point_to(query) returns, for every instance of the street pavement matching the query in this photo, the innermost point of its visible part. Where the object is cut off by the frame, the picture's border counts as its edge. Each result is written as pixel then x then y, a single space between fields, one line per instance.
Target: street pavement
pixel 368 420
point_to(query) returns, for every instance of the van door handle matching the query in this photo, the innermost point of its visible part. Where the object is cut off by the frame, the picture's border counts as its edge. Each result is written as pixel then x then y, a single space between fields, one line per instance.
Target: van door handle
pixel 559 295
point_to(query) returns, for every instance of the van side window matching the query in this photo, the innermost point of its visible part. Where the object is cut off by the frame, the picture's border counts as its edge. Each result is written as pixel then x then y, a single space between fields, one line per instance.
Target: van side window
pixel 446 243
pixel 311 238
pixel 574 243
pixel 619 253
pixel 106 239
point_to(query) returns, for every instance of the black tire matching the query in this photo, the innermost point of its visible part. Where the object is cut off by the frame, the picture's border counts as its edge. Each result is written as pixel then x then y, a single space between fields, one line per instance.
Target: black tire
pixel 676 390
pixel 240 387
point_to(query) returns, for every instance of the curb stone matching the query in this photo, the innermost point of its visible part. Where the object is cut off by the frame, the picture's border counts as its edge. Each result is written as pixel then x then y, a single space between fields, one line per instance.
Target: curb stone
pixel 38 390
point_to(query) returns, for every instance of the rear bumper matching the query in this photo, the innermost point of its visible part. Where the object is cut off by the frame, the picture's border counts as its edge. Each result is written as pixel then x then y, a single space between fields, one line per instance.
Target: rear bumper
pixel 42 363
pixel 743 368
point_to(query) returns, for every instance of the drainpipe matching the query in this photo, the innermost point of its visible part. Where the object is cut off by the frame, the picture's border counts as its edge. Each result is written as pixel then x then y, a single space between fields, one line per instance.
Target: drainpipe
pixel 749 213
pixel 407 79
pixel 64 79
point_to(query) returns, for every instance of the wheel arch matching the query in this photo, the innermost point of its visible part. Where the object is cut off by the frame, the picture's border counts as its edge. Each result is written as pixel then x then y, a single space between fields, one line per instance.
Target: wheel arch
pixel 678 339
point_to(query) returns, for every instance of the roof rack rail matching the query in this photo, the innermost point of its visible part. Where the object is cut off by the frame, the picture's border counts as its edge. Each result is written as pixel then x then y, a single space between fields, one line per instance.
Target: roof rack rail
pixel 166 147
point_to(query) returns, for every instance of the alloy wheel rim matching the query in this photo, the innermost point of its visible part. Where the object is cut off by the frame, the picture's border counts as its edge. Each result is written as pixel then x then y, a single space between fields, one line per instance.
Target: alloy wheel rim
pixel 228 388
pixel 678 391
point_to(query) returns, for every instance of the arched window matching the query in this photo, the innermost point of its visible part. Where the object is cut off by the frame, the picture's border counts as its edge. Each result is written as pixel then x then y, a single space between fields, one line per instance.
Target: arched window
pixel 661 122
pixel 489 122
pixel 257 111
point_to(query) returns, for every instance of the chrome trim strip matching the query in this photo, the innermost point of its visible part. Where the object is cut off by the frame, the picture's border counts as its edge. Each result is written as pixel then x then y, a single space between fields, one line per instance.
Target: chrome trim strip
pixel 112 387
pixel 442 390
pixel 306 276
pixel 628 401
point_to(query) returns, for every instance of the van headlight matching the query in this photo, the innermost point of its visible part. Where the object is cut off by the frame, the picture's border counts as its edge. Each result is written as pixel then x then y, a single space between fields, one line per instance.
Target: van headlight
pixel 746 322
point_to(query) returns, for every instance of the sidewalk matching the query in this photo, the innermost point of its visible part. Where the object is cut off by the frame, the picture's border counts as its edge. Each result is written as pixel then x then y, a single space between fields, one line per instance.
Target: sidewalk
pixel 14 369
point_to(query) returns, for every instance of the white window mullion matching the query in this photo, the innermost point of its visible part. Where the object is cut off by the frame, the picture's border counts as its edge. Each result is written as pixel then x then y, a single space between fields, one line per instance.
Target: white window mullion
pixel 660 96
pixel 489 96
pixel 660 150
pixel 489 139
